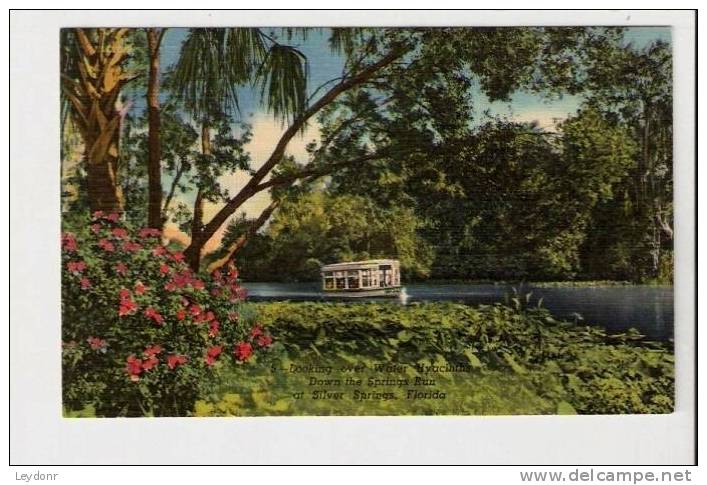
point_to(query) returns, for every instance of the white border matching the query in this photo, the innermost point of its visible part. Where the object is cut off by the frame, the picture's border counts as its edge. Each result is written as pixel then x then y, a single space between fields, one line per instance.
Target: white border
pixel 39 435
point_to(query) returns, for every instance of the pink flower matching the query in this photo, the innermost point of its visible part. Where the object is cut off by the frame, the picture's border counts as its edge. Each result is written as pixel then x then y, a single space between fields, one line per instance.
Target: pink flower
pixel 164 269
pixel 175 360
pixel 265 341
pixel 113 217
pixel 243 351
pixel 133 366
pixel 154 315
pixel 178 256
pixel 212 354
pixel 95 228
pixel 150 232
pixel 127 306
pixel 181 279
pixel 96 343
pixel 121 269
pixel 140 288
pixel 119 232
pixel 131 246
pixel 159 251
pixel 232 271
pixel 257 331
pixel 106 245
pixel 153 350
pixel 195 310
pixel 76 266
pixel 85 283
pixel 150 363
pixel 213 329
pixel 98 215
pixel 181 314
pixel 68 242
pixel 124 294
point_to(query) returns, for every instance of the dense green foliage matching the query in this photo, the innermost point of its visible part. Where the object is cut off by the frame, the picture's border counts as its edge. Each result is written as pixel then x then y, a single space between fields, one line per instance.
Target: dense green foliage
pixel 519 360
pixel 320 229
pixel 492 199
pixel 497 199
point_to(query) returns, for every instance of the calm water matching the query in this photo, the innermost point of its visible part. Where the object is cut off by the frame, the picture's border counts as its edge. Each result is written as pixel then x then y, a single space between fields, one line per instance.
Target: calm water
pixel 617 308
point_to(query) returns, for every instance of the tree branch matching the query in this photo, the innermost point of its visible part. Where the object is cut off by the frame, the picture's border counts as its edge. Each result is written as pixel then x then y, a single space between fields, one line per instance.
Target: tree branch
pixel 250 188
pixel 163 30
pixel 241 241
pixel 315 171
pixel 173 188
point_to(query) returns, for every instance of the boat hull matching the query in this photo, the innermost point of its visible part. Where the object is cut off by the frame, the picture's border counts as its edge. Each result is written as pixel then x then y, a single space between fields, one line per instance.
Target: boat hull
pixel 367 293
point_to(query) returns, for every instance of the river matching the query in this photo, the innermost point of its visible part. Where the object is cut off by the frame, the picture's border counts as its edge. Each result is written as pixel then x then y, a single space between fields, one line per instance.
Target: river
pixel 649 309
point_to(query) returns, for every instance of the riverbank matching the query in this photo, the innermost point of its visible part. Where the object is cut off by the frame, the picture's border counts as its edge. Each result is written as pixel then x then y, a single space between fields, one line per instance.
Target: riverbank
pixel 442 358
pixel 511 283
pixel 649 309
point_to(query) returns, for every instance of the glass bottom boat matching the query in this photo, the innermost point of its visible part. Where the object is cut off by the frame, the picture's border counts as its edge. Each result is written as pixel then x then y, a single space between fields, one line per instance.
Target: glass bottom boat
pixel 371 278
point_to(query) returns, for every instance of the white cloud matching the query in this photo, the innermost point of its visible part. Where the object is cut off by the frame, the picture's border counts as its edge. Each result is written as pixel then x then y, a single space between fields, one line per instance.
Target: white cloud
pixel 266 133
pixel 547 120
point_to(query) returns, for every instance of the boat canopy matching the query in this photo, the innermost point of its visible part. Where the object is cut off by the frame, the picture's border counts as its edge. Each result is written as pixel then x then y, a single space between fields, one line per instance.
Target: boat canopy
pixel 361 275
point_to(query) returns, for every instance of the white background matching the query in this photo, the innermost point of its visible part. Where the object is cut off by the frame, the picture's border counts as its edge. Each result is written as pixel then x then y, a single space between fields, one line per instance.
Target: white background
pixel 39 435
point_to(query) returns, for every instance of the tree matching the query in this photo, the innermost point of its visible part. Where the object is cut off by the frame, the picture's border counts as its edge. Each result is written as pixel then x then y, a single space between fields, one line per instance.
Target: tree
pixel 634 87
pixel 318 227
pixel 178 157
pixel 212 64
pixel 154 170
pixel 93 75
pixel 385 63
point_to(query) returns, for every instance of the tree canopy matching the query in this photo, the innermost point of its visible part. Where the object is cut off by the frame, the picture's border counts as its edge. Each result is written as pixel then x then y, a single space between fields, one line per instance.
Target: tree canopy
pixel 406 164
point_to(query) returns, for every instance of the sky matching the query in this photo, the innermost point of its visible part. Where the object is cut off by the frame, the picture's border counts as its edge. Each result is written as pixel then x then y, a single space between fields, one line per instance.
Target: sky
pixel 325 65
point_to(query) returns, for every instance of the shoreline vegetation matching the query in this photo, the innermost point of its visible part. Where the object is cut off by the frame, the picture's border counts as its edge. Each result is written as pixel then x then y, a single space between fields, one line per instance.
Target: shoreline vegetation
pixel 436 359
pixel 491 360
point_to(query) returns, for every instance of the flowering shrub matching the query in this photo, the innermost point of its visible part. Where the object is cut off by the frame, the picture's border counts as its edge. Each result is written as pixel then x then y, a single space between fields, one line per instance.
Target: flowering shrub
pixel 142 334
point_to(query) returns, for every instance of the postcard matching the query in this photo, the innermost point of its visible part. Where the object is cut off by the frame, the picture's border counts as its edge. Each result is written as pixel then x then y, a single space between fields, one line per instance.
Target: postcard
pixel 358 221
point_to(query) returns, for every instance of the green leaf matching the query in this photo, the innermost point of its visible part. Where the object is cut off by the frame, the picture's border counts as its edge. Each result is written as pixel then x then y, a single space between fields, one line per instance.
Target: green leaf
pixel 564 408
pixel 472 358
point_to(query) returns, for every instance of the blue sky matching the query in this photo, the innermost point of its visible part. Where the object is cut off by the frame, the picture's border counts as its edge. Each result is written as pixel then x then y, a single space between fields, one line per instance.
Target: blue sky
pixel 325 65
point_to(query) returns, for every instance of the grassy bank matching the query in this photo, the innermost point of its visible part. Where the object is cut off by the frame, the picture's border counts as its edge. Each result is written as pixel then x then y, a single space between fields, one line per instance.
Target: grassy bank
pixel 441 358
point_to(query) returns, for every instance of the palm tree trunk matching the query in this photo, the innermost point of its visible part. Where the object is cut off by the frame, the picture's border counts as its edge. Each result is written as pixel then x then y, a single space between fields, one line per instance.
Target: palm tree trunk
pixel 154 170
pixel 93 91
pixel 102 187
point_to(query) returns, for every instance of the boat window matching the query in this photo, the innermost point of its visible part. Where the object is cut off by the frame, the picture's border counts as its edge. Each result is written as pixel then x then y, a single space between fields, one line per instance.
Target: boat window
pixel 366 278
pixel 329 283
pixel 340 283
pixel 353 278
